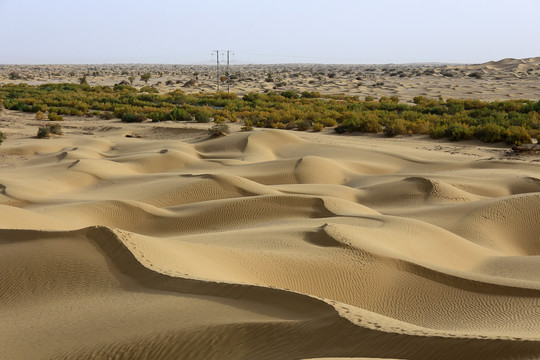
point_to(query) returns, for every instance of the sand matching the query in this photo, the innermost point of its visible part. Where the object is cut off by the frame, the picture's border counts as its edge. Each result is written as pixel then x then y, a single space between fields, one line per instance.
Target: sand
pixel 269 244
pixel 496 80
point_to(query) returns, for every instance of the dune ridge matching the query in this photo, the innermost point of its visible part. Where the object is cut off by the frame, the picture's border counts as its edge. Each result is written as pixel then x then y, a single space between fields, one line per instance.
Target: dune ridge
pixel 265 245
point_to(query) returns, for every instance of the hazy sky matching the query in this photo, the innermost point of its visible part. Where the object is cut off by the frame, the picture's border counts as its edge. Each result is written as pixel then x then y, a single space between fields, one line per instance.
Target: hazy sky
pixel 261 31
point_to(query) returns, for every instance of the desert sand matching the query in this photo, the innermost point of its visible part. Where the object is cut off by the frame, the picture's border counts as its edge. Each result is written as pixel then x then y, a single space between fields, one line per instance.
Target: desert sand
pixel 156 241
pixel 496 80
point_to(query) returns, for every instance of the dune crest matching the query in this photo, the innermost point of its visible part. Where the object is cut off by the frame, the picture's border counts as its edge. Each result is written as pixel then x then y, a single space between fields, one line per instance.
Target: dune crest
pixel 265 245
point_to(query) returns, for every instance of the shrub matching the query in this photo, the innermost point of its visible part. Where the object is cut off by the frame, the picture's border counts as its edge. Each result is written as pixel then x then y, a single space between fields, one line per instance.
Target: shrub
pixel 310 94
pixel 106 115
pixel 460 131
pixel 56 129
pixel 248 126
pixel 219 129
pixel 43 132
pixel 179 114
pixel 40 115
pixel 148 89
pixel 438 131
pixel 290 94
pixel 55 117
pixel 368 123
pixel 2 137
pixel 203 116
pixel 517 135
pixel 303 125
pixel 369 98
pixel 131 117
pixel 145 78
pixel 14 76
pixel 157 116
pixel 328 122
pixel 317 127
pixel 396 127
pixel 476 75
pixel 419 126
pixel 490 133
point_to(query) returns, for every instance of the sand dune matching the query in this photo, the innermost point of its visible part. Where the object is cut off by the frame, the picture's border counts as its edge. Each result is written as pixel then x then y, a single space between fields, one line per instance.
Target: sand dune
pixel 265 245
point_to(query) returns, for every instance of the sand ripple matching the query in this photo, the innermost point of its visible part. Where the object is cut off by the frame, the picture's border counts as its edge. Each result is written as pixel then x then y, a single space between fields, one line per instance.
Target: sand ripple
pixel 265 246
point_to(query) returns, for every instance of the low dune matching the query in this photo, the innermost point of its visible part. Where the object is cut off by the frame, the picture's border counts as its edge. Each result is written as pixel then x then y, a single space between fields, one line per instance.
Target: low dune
pixel 269 244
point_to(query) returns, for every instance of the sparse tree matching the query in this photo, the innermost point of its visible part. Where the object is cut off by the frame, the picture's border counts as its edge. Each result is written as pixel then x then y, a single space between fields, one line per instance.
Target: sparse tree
pixel 145 77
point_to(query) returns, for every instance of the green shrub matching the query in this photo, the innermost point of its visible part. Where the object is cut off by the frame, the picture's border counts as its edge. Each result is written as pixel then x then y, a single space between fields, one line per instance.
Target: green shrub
pixel 317 127
pixel 460 131
pixel 106 115
pixel 290 94
pixel 396 127
pixel 55 117
pixel 179 114
pixel 327 122
pixel 44 132
pixel 248 126
pixel 203 116
pixel 368 123
pixel 310 94
pixel 219 129
pixel 517 135
pixel 157 116
pixel 419 126
pixel 303 125
pixel 490 133
pixel 148 89
pixel 438 131
pixel 40 115
pixel 131 117
pixel 56 129
pixel 145 77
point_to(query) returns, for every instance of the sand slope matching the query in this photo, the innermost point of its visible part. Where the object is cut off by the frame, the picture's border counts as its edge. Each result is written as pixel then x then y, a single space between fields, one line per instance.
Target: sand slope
pixel 265 245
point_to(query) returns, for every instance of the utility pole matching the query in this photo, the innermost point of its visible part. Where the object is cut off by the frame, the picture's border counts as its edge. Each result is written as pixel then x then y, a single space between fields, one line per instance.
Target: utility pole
pixel 217 67
pixel 227 73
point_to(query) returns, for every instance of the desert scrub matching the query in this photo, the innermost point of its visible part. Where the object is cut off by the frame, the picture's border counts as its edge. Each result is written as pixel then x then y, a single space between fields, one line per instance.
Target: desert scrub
pixel 55 117
pixel 2 137
pixel 248 126
pixel 509 120
pixel 203 116
pixel 317 127
pixel 131 117
pixel 41 115
pixel 179 114
pixel 43 132
pixel 46 131
pixel 516 135
pixel 56 129
pixel 219 129
pixel 396 127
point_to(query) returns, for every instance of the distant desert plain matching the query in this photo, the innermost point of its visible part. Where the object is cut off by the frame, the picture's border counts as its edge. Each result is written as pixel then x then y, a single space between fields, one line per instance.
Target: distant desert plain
pixel 159 241
pixel 496 80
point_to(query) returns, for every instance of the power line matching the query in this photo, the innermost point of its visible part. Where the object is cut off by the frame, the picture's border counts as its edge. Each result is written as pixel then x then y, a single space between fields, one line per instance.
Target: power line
pixel 225 79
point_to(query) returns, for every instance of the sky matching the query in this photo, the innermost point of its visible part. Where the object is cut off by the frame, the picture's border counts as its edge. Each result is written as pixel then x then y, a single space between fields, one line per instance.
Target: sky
pixel 263 31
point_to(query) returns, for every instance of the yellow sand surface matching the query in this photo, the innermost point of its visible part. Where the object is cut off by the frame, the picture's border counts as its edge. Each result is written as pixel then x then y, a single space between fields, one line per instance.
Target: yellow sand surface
pixel 269 244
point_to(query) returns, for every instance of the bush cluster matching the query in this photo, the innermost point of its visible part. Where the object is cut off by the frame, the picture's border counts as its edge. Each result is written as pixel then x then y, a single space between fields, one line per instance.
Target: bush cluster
pixel 513 121
pixel 46 131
